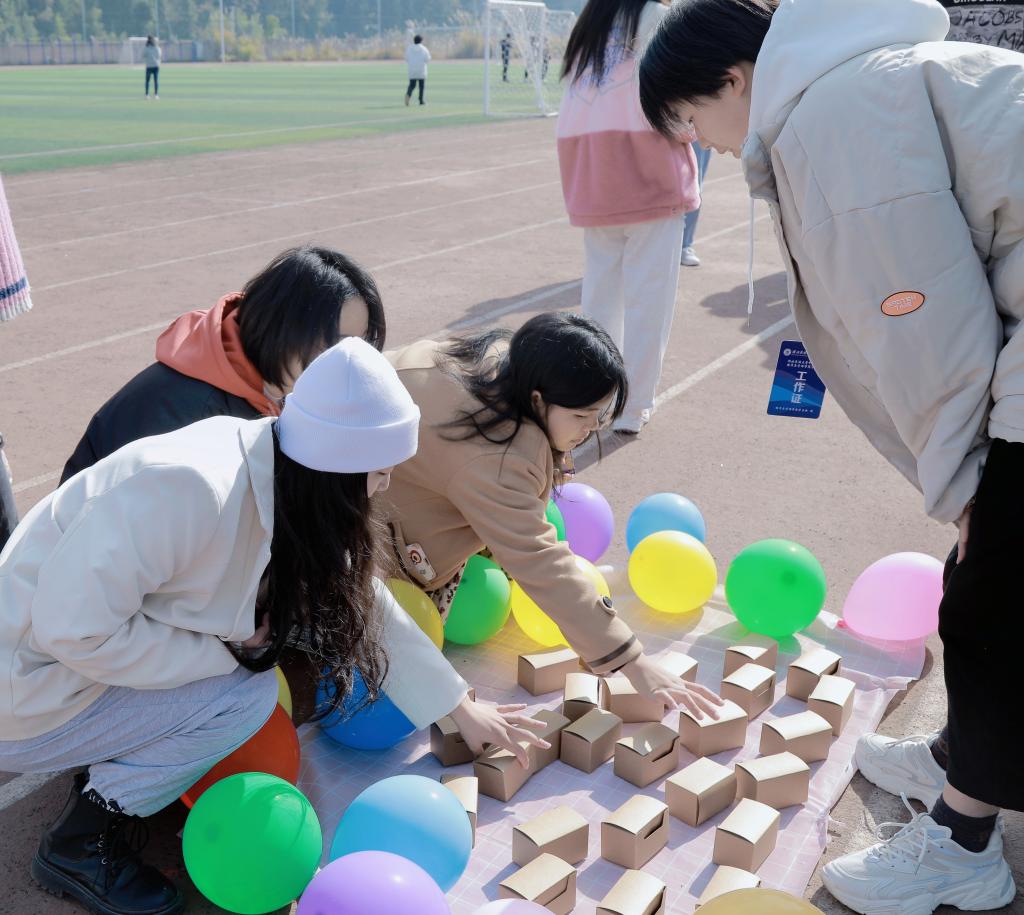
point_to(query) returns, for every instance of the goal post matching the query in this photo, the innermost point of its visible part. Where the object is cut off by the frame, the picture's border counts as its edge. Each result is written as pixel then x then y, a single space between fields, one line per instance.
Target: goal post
pixel 131 51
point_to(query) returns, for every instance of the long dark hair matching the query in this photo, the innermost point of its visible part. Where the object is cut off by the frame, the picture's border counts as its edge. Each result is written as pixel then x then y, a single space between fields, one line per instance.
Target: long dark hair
pixel 589 39
pixel 290 310
pixel 566 357
pixel 320 578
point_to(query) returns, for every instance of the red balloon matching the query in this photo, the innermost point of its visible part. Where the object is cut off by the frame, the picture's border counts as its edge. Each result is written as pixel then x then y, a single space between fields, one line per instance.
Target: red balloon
pixel 273 749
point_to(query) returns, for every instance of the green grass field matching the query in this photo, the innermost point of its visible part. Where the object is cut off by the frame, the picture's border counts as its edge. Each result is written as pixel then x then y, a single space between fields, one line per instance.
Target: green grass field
pixel 58 117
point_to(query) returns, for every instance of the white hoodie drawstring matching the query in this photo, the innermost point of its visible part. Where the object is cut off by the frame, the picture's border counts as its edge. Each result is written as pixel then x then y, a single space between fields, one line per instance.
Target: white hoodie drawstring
pixel 750 265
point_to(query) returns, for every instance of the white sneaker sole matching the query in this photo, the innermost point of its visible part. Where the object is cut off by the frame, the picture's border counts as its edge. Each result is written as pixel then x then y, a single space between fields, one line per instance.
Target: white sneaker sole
pixel 895 785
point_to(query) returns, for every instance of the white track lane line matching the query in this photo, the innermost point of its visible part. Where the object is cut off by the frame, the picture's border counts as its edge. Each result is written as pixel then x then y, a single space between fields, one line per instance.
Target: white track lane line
pixel 22 786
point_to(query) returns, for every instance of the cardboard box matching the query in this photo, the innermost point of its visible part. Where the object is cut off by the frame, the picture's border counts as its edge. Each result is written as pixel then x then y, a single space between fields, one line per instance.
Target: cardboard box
pixel 808 669
pixel 545 671
pixel 636 893
pixel 754 649
pixel 779 781
pixel 582 694
pixel 700 791
pixel 833 700
pixel 447 745
pixel 747 836
pixel 552 733
pixel 636 832
pixel 752 688
pixel 707 736
pixel 561 832
pixel 590 741
pixel 679 665
pixel 806 735
pixel 467 789
pixel 500 774
pixel 621 697
pixel 647 755
pixel 547 881
pixel 726 880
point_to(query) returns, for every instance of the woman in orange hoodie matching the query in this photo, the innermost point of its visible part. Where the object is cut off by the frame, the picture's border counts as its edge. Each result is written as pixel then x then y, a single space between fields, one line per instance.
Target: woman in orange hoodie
pixel 241 357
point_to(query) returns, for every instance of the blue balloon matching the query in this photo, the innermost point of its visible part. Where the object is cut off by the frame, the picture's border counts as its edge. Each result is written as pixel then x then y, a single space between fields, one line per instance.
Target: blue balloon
pixel 411 816
pixel 376 727
pixel 664 511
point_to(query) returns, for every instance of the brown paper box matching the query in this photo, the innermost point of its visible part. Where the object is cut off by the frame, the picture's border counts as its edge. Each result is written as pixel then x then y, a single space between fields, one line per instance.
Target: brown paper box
pixel 561 832
pixel 707 736
pixel 620 696
pixel 447 745
pixel 590 741
pixel 779 781
pixel 725 880
pixel 545 671
pixel 752 688
pixel 833 700
pixel 806 735
pixel 754 649
pixel 547 881
pixel 700 791
pixel 582 693
pixel 466 788
pixel 552 733
pixel 636 832
pixel 647 755
pixel 679 665
pixel 747 836
pixel 636 893
pixel 808 669
pixel 499 773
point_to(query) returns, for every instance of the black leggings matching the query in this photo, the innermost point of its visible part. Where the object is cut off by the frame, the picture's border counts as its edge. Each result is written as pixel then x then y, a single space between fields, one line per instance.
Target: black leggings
pixel 155 73
pixel 981 623
pixel 412 85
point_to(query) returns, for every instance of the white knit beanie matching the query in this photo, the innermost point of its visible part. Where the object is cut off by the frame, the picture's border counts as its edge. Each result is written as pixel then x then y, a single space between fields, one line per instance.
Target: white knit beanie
pixel 349 413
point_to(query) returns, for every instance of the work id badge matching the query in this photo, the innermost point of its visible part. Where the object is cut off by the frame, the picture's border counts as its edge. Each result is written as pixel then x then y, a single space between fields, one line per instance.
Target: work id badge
pixel 796 389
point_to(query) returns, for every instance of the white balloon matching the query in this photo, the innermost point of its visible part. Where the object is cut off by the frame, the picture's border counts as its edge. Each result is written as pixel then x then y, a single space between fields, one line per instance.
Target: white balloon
pixel 512 907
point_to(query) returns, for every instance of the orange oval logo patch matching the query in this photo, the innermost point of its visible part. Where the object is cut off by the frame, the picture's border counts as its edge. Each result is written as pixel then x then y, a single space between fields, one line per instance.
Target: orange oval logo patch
pixel 902 303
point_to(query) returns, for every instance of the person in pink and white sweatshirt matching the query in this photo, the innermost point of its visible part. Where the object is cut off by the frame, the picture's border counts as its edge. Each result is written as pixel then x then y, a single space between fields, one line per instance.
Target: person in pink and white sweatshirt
pixel 628 188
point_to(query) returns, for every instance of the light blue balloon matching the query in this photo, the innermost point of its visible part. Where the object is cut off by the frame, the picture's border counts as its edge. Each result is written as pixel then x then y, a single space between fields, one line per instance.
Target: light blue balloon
pixel 377 726
pixel 411 816
pixel 664 511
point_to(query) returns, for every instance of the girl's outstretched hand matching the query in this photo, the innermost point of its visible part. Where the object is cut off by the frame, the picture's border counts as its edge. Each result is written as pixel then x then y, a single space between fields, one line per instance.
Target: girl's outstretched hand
pixel 505 725
pixel 650 679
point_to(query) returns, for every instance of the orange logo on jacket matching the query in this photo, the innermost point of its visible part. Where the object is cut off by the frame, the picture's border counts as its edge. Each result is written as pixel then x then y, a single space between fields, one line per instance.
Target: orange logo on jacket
pixel 902 303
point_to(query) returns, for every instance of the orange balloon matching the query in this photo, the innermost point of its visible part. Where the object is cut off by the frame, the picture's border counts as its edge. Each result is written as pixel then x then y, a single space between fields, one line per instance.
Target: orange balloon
pixel 273 749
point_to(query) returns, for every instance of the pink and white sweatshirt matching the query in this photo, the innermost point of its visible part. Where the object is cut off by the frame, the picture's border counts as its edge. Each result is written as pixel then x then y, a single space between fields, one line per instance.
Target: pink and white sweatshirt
pixel 616 170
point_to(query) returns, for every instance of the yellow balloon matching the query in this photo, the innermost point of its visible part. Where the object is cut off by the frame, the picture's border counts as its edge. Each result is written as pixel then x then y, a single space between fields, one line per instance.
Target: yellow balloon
pixel 420 607
pixel 764 902
pixel 672 572
pixel 535 622
pixel 284 693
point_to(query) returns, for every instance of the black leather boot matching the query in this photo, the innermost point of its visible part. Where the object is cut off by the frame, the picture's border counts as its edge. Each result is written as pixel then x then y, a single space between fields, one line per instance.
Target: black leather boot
pixel 91 854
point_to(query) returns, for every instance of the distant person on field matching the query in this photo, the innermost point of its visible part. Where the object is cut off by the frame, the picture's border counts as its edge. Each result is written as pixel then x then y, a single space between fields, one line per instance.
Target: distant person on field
pixel 416 57
pixel 689 254
pixel 506 53
pixel 151 55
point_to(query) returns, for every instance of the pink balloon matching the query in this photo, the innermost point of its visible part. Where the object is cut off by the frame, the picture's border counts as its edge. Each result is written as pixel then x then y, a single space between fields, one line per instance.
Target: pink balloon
pixel 896 598
pixel 512 907
pixel 589 523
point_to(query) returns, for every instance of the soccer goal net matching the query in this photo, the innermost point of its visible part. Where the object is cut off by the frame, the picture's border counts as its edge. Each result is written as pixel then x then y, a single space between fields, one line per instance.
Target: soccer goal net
pixel 524 43
pixel 131 51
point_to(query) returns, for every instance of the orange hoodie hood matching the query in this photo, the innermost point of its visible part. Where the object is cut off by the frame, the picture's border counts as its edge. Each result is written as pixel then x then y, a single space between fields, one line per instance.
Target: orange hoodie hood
pixel 207 345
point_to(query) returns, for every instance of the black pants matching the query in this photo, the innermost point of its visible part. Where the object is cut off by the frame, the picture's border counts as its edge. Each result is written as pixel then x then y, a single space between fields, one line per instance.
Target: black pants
pixel 8 512
pixel 981 623
pixel 155 73
pixel 412 85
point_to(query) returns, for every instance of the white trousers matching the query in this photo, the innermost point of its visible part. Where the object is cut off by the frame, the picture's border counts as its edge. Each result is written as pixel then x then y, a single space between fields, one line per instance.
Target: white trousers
pixel 629 287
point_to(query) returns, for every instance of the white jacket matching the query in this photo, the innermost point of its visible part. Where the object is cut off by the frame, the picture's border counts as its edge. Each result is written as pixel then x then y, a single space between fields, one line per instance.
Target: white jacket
pixel 416 57
pixel 138 570
pixel 892 164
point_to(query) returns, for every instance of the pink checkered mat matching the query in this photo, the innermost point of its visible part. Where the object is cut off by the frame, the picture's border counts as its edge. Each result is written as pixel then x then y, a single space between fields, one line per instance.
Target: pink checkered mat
pixel 333 775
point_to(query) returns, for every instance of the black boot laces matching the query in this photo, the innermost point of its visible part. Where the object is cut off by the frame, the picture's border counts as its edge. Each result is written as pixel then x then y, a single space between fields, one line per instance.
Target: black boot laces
pixel 120 846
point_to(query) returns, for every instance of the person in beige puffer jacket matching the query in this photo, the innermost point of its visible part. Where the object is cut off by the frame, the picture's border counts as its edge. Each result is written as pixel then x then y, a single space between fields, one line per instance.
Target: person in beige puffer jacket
pixel 890 161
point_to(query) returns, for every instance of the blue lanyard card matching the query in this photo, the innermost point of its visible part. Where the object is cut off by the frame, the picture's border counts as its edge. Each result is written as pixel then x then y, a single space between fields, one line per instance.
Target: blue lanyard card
pixel 796 389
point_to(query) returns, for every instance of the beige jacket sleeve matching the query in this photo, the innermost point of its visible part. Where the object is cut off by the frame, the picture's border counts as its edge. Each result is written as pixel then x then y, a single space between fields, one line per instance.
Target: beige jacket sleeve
pixel 500 495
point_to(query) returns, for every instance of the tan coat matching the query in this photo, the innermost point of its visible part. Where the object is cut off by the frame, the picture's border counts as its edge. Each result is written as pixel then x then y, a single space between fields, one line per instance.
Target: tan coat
pixel 456 497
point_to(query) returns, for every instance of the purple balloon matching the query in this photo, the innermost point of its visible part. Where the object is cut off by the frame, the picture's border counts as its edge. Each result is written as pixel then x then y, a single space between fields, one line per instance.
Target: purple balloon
pixel 589 523
pixel 373 881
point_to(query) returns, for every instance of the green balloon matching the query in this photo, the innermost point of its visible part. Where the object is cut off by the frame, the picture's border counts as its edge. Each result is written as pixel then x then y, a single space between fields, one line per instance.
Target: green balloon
pixel 252 843
pixel 481 605
pixel 554 514
pixel 775 587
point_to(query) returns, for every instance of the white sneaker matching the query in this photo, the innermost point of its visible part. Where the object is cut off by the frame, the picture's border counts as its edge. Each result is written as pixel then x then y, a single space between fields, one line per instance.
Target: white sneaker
pixel 918 869
pixel 689 258
pixel 901 766
pixel 627 425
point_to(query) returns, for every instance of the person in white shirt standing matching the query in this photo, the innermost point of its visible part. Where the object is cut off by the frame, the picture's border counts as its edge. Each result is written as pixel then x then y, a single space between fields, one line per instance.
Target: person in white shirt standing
pixel 151 56
pixel 416 57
